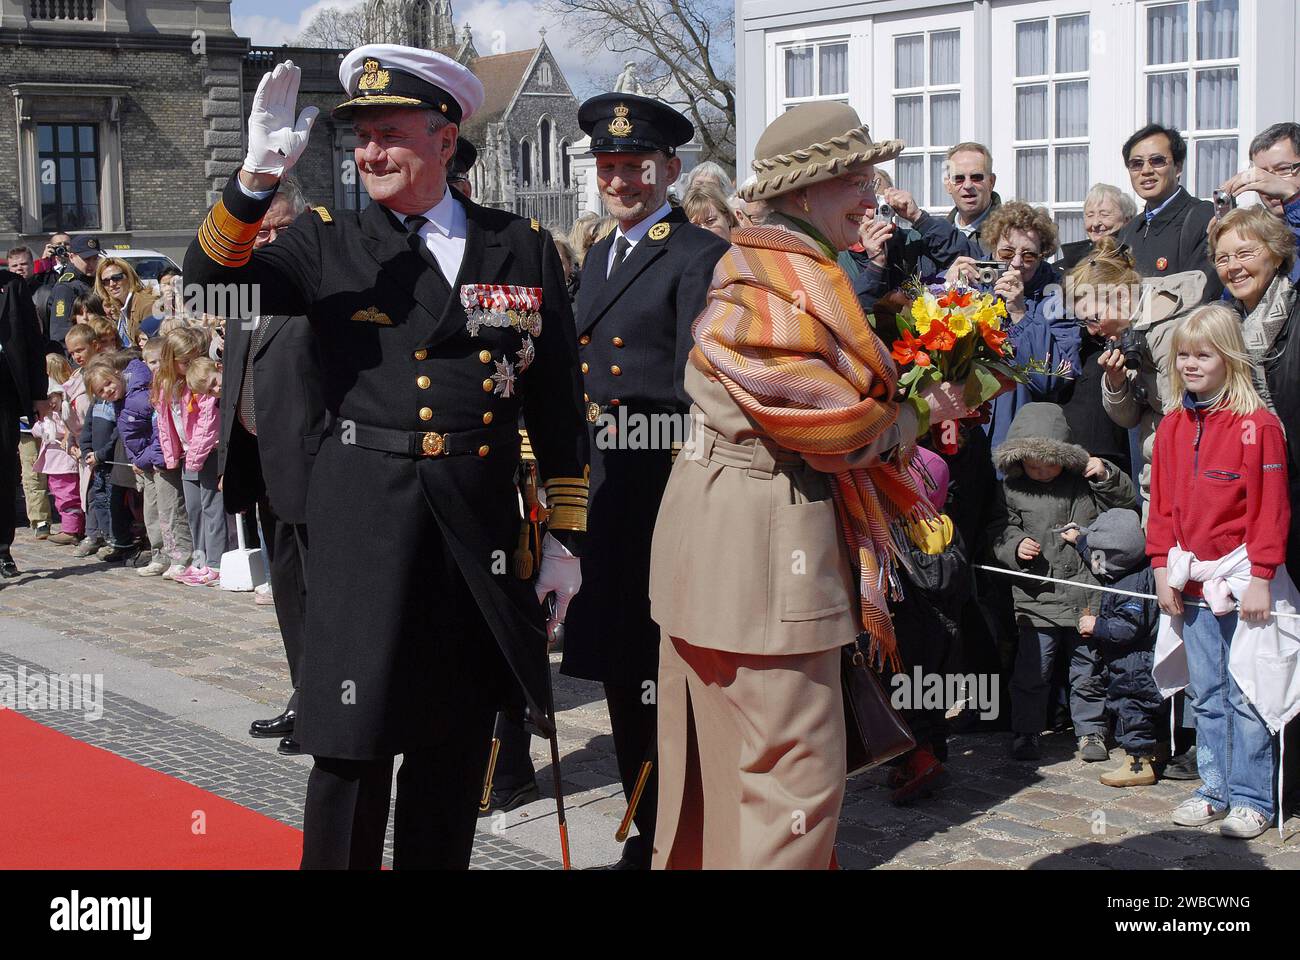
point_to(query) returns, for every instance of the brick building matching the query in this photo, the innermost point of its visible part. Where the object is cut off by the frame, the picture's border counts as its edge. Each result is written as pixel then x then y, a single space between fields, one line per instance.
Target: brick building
pixel 122 118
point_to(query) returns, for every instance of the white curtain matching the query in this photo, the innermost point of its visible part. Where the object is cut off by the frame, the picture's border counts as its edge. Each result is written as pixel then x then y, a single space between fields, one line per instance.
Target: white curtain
pixel 1069 226
pixel 1031 112
pixel 1031 48
pixel 945 57
pixel 1071 174
pixel 909 62
pixel 799 72
pixel 1167 99
pixel 1216 29
pixel 938 195
pixel 909 120
pixel 834 65
pixel 1031 175
pixel 1216 99
pixel 910 172
pixel 945 119
pixel 1072 41
pixel 1216 161
pixel 1072 108
pixel 1167 34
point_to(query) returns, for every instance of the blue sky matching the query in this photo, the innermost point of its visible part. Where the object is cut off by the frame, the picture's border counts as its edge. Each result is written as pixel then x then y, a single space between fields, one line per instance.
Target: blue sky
pixel 499 26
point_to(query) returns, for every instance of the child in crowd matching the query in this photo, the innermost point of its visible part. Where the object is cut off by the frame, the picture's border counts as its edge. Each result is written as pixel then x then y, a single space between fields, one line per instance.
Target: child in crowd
pixel 55 462
pixel 169 490
pixel 1123 632
pixel 100 444
pixel 1049 483
pixel 936 586
pixel 105 333
pixel 204 377
pixel 1217 531
pixel 35 494
pixel 189 428
pixel 81 346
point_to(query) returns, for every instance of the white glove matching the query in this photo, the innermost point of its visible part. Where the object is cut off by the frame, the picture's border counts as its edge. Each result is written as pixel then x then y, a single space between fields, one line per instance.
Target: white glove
pixel 275 142
pixel 561 574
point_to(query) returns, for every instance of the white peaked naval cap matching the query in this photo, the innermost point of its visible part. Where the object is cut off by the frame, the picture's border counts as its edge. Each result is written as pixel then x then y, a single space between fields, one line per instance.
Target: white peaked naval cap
pixel 388 75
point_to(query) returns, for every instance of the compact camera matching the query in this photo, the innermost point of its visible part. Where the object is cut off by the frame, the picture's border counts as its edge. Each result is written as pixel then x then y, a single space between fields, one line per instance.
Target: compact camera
pixel 988 271
pixel 887 213
pixel 1223 202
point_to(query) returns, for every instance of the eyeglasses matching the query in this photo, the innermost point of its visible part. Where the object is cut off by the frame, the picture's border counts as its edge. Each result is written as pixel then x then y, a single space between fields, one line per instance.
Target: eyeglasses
pixel 458 178
pixel 960 178
pixel 1157 161
pixel 864 187
pixel 1027 257
pixel 1287 170
pixel 113 278
pixel 1244 258
pixel 269 233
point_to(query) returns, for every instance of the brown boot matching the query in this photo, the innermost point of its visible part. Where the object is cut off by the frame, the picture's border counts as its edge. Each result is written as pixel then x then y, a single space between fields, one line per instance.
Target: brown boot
pixel 1131 772
pixel 66 539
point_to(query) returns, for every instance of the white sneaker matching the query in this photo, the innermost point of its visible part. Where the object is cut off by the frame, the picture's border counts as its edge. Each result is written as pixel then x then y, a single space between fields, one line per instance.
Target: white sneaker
pixel 174 571
pixel 1244 823
pixel 153 568
pixel 1195 811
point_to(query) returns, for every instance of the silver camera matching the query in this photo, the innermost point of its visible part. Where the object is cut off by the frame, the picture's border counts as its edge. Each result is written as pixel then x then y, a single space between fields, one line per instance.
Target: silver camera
pixel 988 271
pixel 887 213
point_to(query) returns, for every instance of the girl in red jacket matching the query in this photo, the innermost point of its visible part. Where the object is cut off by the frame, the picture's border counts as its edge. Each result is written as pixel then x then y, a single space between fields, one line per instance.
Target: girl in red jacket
pixel 1217 530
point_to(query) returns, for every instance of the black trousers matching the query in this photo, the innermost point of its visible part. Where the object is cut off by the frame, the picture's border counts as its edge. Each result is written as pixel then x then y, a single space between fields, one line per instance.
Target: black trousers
pixel 346 811
pixel 633 725
pixel 285 545
pixel 9 466
pixel 514 767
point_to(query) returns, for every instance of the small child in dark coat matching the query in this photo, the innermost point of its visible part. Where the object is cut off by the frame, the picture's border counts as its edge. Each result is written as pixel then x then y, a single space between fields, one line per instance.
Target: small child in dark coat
pixel 1124 633
pixel 100 442
pixel 936 580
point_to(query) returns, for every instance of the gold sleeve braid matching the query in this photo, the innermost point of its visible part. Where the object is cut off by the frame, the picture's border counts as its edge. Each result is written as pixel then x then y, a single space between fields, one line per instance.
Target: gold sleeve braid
pixel 226 240
pixel 566 500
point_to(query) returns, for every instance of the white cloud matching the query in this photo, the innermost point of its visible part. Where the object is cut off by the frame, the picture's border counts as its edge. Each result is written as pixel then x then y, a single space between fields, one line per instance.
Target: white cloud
pixel 273 31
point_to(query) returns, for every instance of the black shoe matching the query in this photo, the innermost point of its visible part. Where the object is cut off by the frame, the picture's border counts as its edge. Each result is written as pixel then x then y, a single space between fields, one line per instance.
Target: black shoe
pixel 123 554
pixel 281 726
pixel 1024 746
pixel 1182 767
pixel 503 801
pixel 289 747
pixel 8 569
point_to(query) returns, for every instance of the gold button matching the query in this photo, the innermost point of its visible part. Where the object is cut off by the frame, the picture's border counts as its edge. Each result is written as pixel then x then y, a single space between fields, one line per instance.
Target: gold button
pixel 423 382
pixel 616 370
pixel 584 340
pixel 483 450
pixel 585 368
pixel 615 402
pixel 487 418
pixel 426 413
pixel 421 354
pixel 487 386
pixel 484 356
pixel 618 341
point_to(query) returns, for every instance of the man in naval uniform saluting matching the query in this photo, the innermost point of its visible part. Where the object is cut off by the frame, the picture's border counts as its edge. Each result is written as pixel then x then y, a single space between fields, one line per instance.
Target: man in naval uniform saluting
pixel 438 322
pixel 641 289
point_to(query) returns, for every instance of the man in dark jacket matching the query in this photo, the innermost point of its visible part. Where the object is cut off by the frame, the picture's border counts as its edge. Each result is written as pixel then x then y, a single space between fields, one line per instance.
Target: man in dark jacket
pixel 1168 235
pixel 22 381
pixel 272 418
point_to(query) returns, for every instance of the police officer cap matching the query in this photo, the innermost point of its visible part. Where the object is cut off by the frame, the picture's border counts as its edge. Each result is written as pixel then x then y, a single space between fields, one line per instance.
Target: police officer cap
pixel 85 246
pixel 626 123
pixel 388 75
pixel 466 154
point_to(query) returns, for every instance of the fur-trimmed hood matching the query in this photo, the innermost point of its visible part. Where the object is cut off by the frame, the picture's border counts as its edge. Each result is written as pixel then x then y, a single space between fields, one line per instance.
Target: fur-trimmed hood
pixel 1039 432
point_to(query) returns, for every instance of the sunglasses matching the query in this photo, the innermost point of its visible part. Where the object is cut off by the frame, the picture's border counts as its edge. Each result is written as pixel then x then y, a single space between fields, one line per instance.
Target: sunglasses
pixel 113 277
pixel 1027 257
pixel 1158 162
pixel 960 178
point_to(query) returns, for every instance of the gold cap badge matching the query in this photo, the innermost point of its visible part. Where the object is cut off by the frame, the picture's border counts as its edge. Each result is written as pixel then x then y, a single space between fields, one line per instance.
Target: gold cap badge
pixel 658 231
pixel 620 126
pixel 372 78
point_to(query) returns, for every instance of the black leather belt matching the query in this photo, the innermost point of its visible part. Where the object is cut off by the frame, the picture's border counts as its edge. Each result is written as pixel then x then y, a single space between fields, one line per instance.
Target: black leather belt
pixel 430 443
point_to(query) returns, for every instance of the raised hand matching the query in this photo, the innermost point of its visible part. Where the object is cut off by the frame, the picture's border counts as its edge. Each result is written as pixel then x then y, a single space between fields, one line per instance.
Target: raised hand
pixel 275 139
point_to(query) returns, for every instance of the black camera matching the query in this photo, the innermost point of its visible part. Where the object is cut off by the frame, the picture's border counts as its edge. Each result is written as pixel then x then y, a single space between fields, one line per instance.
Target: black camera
pixel 60 251
pixel 1132 345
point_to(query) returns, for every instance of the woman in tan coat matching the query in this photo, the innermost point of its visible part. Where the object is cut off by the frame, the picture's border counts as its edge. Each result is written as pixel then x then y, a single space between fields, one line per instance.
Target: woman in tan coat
pixel 771 549
pixel 127 301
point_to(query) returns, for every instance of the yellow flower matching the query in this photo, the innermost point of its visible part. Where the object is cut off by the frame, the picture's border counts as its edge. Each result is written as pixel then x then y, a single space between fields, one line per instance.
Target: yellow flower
pixel 987 317
pixel 959 323
pixel 925 310
pixel 1000 308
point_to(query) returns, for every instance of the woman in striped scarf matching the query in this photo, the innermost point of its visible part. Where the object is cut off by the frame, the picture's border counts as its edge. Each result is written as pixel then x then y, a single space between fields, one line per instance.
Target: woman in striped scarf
pixel 772 548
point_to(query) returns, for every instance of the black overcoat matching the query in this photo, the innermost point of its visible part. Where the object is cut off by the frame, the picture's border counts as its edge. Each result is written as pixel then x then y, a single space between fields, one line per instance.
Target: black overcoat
pixel 411 581
pixel 634 336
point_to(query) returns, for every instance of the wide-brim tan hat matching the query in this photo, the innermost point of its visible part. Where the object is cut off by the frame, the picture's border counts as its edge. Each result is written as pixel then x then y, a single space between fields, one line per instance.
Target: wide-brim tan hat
pixel 812 143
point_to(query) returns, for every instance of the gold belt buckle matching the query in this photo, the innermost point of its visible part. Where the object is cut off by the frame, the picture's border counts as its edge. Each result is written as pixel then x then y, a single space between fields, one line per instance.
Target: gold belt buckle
pixel 432 444
pixel 593 412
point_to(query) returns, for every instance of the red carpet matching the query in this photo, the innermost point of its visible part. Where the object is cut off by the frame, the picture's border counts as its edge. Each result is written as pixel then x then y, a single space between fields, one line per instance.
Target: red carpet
pixel 67 805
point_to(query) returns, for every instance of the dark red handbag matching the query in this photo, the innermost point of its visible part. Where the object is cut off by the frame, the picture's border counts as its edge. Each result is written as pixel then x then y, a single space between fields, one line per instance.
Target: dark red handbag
pixel 874 733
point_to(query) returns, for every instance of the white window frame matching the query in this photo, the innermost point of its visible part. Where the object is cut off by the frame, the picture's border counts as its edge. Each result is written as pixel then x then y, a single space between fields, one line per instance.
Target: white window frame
pixel 816 46
pixel 929 151
pixel 855 32
pixel 1189 68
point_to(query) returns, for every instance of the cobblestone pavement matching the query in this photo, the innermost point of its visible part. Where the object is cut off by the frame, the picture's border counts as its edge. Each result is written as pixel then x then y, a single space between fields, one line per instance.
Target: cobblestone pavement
pixel 996 813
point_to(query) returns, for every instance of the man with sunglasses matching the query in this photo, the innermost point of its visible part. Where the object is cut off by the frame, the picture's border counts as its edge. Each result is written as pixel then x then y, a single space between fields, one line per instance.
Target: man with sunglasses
pixel 1168 235
pixel 969 179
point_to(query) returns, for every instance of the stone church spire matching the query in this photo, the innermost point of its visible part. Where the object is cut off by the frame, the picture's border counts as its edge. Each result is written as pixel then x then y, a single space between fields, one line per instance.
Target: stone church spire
pixel 413 23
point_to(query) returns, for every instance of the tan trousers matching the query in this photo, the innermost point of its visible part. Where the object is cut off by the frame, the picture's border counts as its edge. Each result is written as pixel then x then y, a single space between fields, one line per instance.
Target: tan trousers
pixel 34 488
pixel 751 754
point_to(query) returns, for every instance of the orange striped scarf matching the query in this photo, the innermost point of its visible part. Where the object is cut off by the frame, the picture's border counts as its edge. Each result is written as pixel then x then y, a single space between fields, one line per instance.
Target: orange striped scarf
pixel 783 332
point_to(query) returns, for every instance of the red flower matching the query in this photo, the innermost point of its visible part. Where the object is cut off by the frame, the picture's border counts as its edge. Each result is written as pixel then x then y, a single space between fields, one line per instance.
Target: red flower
pixel 994 338
pixel 939 337
pixel 955 299
pixel 910 350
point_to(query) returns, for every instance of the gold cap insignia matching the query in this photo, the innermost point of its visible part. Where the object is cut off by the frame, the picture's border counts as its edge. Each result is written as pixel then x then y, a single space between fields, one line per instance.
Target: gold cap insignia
pixel 658 231
pixel 372 315
pixel 620 126
pixel 372 78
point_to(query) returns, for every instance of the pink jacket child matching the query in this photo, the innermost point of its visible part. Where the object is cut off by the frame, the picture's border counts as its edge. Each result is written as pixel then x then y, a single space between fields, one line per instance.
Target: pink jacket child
pixel 201 418
pixel 60 467
pixel 79 403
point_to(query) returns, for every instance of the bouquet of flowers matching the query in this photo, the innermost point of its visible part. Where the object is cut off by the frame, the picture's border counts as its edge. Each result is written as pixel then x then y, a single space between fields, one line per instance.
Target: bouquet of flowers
pixel 958 335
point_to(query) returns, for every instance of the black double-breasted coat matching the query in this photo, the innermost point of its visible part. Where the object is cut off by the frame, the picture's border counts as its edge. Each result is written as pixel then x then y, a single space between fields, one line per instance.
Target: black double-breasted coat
pixel 415 610
pixel 634 337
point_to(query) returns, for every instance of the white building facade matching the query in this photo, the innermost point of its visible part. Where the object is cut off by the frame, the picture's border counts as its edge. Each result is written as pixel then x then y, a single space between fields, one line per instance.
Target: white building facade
pixel 1053 87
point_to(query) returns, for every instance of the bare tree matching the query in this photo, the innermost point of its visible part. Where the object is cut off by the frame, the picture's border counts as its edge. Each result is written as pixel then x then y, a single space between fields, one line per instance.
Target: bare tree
pixel 348 27
pixel 684 51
